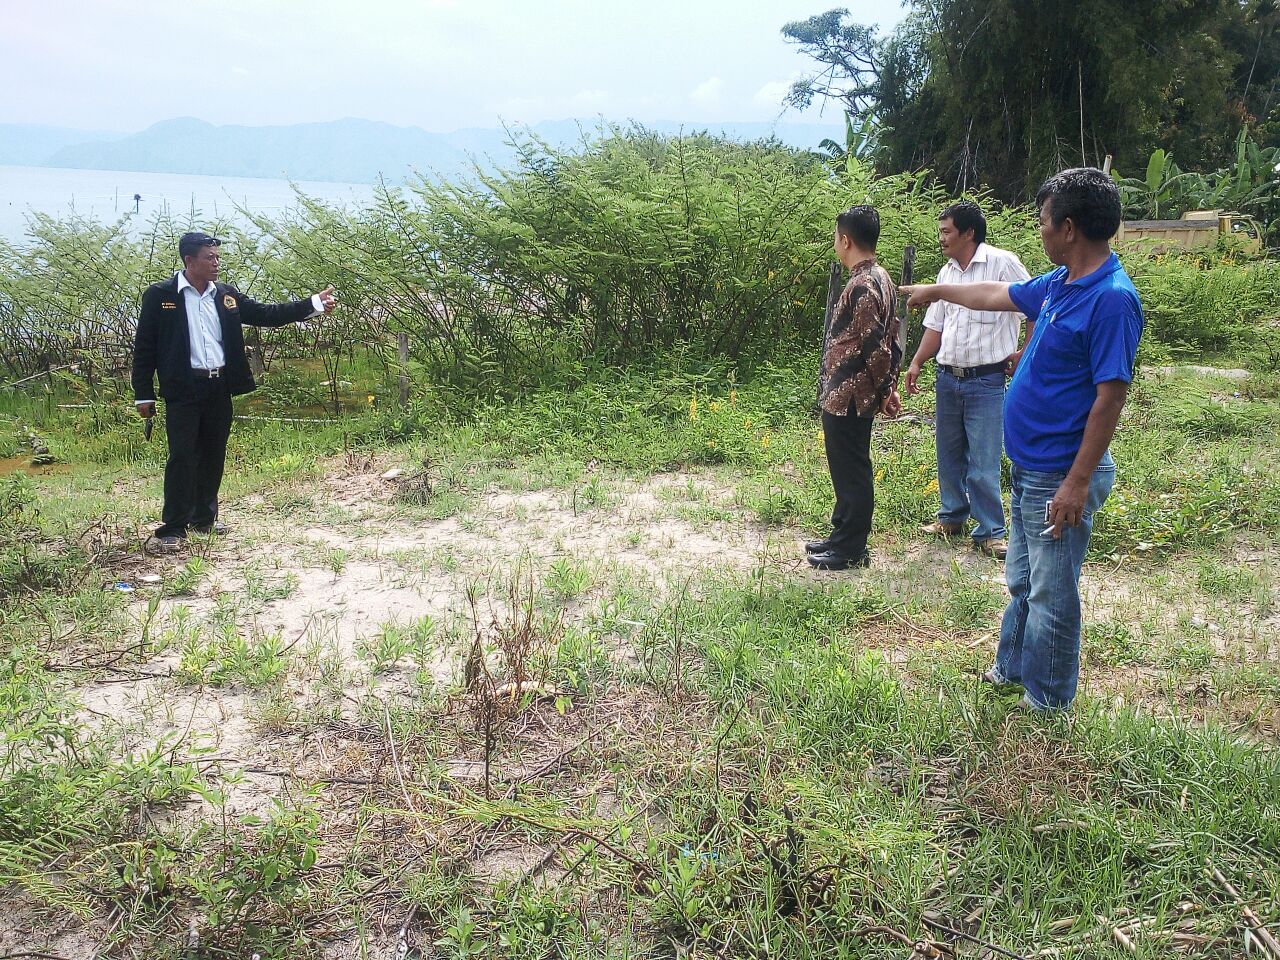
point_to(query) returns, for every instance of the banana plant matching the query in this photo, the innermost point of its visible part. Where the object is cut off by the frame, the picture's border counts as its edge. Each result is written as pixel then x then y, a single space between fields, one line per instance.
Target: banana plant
pixel 862 142
pixel 1257 168
pixel 1250 185
pixel 1164 184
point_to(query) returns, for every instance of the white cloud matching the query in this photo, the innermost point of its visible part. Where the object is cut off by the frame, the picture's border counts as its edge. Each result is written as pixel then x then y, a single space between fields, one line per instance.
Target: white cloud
pixel 771 93
pixel 591 98
pixel 707 92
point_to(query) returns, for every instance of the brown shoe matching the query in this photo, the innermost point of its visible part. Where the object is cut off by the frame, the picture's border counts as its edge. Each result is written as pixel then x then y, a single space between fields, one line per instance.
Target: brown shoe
pixel 948 531
pixel 994 547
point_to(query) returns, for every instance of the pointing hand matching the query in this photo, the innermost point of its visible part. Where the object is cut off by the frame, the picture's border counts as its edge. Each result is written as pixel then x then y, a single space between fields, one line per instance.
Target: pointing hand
pixel 328 300
pixel 920 294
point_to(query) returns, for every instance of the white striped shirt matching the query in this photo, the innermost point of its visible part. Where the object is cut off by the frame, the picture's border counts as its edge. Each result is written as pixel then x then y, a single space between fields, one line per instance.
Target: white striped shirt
pixel 975 338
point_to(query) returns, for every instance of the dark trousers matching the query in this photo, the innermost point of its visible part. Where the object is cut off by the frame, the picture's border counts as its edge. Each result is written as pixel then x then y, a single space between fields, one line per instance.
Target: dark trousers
pixel 848 443
pixel 198 429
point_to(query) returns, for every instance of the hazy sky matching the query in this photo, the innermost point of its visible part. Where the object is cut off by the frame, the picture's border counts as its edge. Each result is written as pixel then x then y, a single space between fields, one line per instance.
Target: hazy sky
pixel 438 64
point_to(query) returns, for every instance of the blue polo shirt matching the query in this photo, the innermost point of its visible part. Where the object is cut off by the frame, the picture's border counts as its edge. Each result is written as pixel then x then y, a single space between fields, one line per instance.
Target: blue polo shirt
pixel 1086 333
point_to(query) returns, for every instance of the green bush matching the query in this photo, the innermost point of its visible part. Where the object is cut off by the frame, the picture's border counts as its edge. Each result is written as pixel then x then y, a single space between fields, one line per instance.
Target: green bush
pixel 635 246
pixel 1202 304
pixel 29 561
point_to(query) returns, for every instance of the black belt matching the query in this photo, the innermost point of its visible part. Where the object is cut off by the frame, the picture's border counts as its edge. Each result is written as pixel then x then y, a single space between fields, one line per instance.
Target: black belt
pixel 207 374
pixel 964 373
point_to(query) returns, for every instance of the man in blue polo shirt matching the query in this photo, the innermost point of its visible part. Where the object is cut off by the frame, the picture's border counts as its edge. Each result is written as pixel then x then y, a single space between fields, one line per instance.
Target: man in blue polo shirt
pixel 1060 414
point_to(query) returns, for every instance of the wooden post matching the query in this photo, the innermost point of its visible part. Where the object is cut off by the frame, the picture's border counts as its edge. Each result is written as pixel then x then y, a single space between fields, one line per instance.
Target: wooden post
pixel 908 277
pixel 402 351
pixel 257 364
pixel 835 284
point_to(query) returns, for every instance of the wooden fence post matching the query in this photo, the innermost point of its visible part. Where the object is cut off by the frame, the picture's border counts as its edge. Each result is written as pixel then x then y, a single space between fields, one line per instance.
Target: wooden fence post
pixel 257 363
pixel 904 315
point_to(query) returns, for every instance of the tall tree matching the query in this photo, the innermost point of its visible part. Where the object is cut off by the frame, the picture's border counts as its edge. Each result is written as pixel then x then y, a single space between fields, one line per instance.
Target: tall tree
pixel 848 62
pixel 1003 92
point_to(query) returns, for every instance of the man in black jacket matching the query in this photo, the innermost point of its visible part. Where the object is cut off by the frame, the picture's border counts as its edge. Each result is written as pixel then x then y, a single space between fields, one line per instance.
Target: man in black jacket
pixel 189 333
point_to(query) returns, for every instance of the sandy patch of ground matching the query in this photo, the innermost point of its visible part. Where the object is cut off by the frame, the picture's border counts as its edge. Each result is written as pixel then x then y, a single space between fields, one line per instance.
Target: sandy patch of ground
pixel 330 581
pixel 1227 373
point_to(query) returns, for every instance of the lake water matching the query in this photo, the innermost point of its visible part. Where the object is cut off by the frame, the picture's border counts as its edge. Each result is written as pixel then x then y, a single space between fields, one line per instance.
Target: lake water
pixel 106 195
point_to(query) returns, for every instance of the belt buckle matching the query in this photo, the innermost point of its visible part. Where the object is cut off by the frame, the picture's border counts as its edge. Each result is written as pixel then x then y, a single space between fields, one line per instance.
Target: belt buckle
pixel 215 374
pixel 960 373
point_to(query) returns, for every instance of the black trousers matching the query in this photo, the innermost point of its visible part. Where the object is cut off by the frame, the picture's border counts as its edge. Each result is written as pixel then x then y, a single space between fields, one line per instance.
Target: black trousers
pixel 848 443
pixel 198 429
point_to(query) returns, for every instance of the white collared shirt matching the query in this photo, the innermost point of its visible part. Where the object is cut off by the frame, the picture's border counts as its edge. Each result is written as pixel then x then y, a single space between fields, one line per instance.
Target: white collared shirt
pixel 203 325
pixel 975 338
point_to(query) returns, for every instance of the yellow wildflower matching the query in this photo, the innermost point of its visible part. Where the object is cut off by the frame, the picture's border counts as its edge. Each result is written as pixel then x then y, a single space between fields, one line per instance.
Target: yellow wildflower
pixel 765 440
pixel 932 487
pixel 370 398
pixel 880 475
pixel 733 396
pixel 821 436
pixel 747 423
pixel 693 407
pixel 714 405
pixel 711 444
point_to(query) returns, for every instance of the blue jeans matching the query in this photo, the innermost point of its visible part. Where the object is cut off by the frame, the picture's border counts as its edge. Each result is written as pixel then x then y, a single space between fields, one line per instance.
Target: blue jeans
pixel 970 440
pixel 1040 633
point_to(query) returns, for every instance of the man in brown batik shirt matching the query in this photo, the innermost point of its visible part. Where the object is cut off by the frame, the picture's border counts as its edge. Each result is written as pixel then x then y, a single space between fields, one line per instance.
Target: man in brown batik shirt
pixel 859 377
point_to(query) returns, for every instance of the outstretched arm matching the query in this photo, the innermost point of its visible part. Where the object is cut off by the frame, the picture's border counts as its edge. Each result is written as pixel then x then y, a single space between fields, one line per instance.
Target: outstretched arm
pixel 988 295
pixel 257 314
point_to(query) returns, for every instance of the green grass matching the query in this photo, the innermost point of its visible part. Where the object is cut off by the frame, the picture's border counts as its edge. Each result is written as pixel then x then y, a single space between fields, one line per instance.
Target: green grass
pixel 738 764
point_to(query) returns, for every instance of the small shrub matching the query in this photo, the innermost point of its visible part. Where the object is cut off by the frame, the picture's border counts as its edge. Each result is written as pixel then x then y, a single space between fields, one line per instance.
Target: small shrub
pixel 29 560
pixel 567 580
pixel 229 658
pixel 388 646
pixel 1112 644
pixel 186 580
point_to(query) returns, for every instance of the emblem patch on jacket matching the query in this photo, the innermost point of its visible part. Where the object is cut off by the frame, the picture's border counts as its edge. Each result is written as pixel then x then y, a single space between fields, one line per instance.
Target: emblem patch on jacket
pixel 168 306
pixel 229 302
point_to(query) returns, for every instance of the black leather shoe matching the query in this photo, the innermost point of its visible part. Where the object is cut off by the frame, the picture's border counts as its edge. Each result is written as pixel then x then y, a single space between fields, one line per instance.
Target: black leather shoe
pixel 831 560
pixel 215 529
pixel 817 546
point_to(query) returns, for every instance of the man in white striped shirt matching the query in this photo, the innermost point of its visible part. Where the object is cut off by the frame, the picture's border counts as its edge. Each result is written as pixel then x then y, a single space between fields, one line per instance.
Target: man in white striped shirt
pixel 975 350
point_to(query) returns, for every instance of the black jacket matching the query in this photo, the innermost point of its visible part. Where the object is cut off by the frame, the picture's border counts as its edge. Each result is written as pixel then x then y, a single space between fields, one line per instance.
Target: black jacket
pixel 163 343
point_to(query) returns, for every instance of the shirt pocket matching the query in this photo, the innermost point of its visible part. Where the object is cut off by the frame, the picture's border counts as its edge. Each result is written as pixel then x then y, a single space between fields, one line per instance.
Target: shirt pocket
pixel 985 318
pixel 1063 347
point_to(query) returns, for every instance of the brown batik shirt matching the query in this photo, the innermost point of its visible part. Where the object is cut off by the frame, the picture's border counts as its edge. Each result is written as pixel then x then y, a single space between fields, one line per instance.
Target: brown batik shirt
pixel 862 354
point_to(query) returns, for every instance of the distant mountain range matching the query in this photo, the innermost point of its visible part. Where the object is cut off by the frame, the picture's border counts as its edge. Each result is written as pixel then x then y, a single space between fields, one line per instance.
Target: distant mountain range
pixel 349 151
pixel 32 145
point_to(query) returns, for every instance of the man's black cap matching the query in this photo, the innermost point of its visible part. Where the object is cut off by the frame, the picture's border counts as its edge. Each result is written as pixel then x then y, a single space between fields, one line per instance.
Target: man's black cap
pixel 191 243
